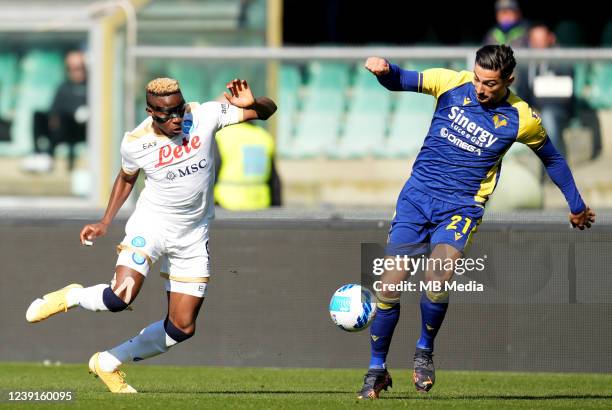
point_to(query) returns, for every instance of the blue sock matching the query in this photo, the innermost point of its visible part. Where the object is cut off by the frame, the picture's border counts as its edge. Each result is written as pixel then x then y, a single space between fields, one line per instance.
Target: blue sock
pixel 381 332
pixel 432 316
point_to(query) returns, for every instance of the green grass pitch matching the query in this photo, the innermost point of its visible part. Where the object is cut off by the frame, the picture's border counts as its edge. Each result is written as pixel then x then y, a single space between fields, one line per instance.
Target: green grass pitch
pixel 216 387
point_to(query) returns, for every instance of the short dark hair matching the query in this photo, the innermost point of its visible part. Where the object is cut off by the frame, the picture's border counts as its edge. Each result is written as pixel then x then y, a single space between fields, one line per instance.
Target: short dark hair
pixel 496 57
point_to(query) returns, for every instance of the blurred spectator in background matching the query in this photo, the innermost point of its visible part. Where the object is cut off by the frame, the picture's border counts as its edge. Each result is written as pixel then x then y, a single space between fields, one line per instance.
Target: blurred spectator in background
pixel 510 29
pixel 246 177
pixel 5 129
pixel 550 86
pixel 66 120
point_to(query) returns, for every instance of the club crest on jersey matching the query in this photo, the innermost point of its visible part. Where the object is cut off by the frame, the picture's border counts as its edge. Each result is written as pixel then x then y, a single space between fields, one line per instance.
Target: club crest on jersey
pixel 500 120
pixel 169 153
pixel 187 124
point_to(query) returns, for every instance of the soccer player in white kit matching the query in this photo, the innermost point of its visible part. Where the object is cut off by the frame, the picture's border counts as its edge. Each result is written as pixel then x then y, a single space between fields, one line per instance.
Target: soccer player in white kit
pixel 173 147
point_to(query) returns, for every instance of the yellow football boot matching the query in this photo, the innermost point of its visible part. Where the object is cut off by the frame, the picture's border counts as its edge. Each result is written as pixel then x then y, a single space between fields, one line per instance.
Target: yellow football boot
pixel 115 381
pixel 50 304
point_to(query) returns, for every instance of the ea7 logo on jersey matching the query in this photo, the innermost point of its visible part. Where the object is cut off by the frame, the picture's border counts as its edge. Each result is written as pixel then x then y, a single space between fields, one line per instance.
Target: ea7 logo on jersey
pixel 167 154
pixel 148 145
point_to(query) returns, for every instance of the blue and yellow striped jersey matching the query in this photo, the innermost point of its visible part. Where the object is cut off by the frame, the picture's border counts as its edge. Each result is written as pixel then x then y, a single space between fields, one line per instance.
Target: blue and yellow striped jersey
pixel 460 161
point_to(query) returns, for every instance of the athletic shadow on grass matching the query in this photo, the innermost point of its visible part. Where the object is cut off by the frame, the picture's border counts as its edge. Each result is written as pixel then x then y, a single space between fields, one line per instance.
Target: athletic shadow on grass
pixel 247 392
pixel 500 397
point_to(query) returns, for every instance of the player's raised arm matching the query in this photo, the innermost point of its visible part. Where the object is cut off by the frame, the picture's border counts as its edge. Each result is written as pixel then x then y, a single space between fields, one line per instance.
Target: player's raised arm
pixel 124 183
pixel 391 76
pixel 241 96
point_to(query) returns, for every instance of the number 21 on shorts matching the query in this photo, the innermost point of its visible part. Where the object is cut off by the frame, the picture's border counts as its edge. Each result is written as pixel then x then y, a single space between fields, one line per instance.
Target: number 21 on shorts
pixel 459 231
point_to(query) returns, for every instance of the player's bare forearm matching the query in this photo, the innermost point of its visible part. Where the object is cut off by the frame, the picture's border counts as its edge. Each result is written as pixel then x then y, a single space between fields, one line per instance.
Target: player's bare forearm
pixel 124 183
pixel 123 186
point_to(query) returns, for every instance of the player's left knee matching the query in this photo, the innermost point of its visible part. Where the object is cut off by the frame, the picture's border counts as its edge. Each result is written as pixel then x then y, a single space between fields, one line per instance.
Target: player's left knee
pixel 179 330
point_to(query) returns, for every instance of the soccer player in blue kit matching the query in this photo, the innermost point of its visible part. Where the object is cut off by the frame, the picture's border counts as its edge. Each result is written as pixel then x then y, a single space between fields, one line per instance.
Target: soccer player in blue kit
pixel 476 120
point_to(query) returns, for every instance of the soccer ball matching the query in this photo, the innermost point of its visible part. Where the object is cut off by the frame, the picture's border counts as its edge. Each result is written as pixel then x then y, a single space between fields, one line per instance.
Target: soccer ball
pixel 352 308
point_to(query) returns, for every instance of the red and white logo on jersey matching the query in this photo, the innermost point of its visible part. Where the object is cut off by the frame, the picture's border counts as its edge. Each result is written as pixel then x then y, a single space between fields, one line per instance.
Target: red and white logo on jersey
pixel 167 154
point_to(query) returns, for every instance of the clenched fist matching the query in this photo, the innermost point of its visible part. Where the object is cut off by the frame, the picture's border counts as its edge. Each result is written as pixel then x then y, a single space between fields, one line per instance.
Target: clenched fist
pixel 377 66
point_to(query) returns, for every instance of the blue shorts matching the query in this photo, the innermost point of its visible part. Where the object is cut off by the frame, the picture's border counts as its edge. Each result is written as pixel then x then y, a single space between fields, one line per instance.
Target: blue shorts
pixel 422 221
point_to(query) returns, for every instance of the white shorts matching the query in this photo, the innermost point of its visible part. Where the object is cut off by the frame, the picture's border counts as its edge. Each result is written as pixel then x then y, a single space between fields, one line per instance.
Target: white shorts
pixel 185 261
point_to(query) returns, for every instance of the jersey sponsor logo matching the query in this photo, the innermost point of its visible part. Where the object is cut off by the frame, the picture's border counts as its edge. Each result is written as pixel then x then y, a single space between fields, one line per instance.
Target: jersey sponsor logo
pixel 168 154
pixel 192 169
pixel 470 129
pixel 455 140
pixel 148 145
pixel 186 170
pixel 500 120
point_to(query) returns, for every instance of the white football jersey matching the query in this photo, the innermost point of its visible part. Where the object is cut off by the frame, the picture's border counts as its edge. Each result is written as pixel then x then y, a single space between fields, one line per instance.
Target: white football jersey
pixel 179 170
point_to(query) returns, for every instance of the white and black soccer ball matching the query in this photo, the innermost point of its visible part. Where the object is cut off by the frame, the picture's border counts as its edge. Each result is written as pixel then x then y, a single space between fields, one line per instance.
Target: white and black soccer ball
pixel 352 307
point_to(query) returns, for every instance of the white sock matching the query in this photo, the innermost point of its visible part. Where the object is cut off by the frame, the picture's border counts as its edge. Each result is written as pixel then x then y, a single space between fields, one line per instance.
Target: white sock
pixel 108 362
pixel 152 341
pixel 88 298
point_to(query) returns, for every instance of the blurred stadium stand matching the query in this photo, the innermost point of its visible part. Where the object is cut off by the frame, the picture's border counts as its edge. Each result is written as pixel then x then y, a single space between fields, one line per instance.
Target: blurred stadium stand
pixel 342 139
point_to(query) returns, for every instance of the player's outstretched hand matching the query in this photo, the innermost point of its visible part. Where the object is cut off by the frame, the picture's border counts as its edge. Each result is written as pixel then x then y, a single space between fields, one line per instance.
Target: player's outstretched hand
pixel 240 93
pixel 93 231
pixel 584 219
pixel 377 66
